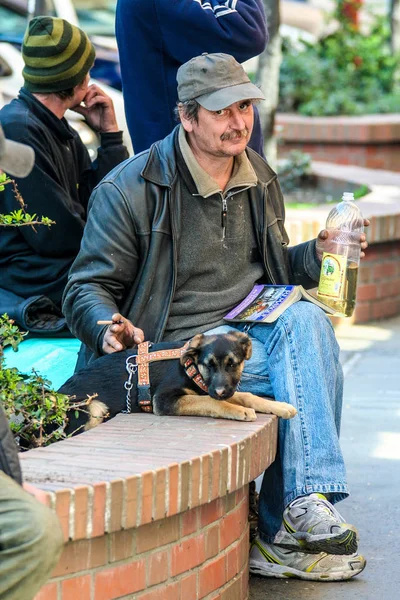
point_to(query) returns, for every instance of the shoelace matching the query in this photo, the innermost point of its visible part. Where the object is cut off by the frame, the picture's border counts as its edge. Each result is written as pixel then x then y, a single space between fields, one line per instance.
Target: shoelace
pixel 322 507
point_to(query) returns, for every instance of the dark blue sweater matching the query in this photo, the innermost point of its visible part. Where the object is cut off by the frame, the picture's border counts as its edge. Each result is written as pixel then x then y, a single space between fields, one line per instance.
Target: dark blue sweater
pixel 155 37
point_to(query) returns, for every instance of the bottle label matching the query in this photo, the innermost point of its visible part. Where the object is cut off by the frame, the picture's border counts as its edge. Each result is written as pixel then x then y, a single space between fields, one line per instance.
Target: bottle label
pixel 332 278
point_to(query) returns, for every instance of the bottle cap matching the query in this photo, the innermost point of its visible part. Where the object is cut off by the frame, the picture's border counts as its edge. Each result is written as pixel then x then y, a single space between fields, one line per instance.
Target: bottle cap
pixel 348 196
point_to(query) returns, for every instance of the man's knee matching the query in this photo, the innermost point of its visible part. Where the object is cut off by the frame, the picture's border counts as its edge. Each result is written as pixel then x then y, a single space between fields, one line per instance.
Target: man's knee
pixel 25 519
pixel 31 541
pixel 45 533
pixel 307 314
pixel 311 328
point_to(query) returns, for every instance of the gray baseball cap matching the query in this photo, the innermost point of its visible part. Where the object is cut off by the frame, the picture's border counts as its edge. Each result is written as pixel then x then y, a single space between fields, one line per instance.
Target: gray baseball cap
pixel 15 159
pixel 215 81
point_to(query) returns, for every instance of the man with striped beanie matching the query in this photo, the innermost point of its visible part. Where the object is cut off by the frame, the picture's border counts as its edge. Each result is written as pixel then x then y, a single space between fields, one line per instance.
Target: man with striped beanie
pixel 35 263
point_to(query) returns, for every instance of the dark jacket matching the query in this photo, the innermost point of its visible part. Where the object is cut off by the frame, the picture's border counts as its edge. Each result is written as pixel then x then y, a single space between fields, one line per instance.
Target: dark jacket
pixel 128 257
pixel 9 462
pixel 36 261
pixel 155 38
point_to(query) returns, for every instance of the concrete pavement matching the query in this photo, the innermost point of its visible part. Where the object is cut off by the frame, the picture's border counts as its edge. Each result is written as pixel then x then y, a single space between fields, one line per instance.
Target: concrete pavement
pixel 371 445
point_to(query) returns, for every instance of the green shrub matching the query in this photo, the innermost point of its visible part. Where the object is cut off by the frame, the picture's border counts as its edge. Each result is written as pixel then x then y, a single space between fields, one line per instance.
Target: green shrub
pixel 38 415
pixel 348 72
pixel 293 169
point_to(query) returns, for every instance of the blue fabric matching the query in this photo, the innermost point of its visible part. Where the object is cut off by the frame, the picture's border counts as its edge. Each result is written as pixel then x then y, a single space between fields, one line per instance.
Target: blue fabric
pixel 52 358
pixel 156 38
pixel 296 360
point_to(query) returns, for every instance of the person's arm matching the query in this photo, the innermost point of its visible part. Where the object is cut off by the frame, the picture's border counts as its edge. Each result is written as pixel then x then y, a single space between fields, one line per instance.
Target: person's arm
pixel 304 264
pixel 110 154
pixel 105 267
pixel 189 28
pixel 98 110
pixel 305 258
pixel 301 260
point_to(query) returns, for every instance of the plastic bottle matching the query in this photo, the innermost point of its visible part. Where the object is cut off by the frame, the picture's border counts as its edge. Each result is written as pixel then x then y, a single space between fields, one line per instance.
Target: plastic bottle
pixel 339 267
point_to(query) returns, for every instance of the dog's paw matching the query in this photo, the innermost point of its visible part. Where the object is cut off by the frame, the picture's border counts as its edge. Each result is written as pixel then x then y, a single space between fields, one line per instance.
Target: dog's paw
pixel 284 410
pixel 248 414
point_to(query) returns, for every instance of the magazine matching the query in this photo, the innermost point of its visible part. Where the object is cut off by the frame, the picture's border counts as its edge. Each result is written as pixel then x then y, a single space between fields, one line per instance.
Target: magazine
pixel 266 302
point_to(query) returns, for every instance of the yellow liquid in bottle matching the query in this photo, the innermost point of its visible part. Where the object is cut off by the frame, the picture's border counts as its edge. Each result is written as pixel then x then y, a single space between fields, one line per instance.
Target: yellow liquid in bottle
pixel 344 306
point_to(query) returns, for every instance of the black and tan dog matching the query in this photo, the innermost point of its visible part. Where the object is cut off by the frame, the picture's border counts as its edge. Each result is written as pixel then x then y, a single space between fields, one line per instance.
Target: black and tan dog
pixel 202 381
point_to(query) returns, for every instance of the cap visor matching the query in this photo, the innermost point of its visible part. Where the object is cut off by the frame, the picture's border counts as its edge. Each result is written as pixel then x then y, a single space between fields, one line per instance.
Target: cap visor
pixel 229 95
pixel 17 159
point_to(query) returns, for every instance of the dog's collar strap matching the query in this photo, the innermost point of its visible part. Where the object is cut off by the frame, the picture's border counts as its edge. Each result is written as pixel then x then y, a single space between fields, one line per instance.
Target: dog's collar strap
pixel 193 373
pixel 143 358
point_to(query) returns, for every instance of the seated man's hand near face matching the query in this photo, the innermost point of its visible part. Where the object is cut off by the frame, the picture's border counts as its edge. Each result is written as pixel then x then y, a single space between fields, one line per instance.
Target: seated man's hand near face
pixel 98 110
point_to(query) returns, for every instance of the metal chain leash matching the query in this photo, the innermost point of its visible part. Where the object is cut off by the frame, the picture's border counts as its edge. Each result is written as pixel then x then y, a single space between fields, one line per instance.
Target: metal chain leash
pixel 128 385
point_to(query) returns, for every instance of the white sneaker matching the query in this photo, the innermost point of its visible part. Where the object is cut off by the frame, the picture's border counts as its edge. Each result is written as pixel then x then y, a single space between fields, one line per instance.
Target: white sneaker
pixel 312 524
pixel 270 560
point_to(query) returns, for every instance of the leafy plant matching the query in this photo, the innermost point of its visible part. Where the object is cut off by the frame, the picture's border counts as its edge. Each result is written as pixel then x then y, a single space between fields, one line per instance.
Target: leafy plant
pixel 348 72
pixel 38 415
pixel 293 169
pixel 20 217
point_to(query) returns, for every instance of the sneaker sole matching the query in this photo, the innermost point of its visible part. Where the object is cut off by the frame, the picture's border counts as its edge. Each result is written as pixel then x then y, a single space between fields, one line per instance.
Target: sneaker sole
pixel 266 569
pixel 345 543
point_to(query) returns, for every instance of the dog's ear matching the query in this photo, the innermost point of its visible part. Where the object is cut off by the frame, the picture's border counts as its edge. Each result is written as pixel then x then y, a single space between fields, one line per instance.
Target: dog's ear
pixel 245 342
pixel 193 349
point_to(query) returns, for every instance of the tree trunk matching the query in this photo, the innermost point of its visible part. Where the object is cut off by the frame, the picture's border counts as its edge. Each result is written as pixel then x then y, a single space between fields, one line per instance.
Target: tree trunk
pixel 268 78
pixel 395 25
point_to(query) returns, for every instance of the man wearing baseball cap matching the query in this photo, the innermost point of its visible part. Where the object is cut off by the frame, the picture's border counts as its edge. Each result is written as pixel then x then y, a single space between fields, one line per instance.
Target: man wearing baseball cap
pixel 57 58
pixel 201 221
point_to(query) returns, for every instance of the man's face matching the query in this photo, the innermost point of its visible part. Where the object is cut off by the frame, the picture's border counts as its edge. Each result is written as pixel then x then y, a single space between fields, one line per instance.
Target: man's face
pixel 221 133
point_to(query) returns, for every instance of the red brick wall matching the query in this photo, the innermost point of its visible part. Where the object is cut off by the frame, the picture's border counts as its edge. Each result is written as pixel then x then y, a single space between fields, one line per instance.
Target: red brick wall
pixel 371 141
pixel 378 293
pixel 372 156
pixel 176 532
pixel 201 553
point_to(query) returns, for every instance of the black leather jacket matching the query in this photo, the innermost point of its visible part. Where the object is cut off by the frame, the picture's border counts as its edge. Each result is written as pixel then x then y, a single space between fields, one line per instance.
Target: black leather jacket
pixel 128 256
pixel 9 462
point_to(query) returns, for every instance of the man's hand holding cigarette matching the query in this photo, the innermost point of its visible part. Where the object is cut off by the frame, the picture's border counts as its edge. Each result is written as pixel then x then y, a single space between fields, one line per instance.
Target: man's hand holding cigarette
pixel 120 334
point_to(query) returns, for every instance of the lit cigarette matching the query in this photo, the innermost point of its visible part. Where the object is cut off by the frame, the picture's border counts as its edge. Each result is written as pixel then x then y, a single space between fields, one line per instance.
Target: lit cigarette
pixel 105 322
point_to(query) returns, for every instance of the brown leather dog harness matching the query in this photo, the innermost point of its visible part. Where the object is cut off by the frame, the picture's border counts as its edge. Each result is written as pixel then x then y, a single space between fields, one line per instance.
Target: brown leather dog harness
pixel 140 363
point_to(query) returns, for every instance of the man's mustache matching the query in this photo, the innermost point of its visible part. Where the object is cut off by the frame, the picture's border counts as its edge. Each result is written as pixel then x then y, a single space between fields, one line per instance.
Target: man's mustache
pixel 234 134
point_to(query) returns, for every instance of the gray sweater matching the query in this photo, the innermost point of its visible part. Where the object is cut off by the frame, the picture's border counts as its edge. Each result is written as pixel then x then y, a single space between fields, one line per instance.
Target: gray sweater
pixel 217 267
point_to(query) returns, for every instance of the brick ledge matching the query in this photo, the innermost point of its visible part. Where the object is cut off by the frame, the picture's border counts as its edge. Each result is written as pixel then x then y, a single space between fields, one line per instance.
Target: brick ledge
pixel 381 205
pixel 340 129
pixel 140 468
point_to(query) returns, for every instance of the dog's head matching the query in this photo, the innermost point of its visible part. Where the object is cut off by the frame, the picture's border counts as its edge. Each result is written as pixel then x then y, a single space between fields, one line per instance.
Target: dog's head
pixel 220 360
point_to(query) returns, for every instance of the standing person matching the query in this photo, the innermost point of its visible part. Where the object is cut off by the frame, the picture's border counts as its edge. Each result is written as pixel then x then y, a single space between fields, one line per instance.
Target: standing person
pixel 31 538
pixel 58 57
pixel 156 38
pixel 200 221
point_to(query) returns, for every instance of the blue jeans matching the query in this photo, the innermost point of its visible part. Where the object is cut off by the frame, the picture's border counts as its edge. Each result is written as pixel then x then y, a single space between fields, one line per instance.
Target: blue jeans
pixel 296 360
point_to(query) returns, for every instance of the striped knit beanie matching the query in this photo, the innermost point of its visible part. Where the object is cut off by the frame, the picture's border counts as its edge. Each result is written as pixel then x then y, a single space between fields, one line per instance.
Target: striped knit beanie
pixel 57 55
